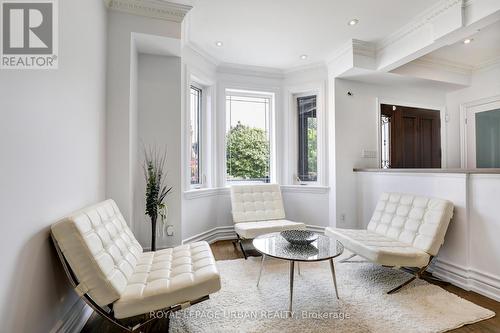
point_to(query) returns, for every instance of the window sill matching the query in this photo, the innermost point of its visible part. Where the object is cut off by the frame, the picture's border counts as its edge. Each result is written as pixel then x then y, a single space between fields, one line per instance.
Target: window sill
pixel 201 193
pixel 210 192
pixel 315 189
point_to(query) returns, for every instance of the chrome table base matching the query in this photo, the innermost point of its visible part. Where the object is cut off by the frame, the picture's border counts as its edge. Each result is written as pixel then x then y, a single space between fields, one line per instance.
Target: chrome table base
pixel 292 271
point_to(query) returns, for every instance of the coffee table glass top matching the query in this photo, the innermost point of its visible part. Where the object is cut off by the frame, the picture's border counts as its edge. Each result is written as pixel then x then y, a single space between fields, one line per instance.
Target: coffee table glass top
pixel 274 245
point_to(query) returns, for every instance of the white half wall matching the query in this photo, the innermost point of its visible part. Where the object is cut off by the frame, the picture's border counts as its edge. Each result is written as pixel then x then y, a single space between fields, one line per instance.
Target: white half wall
pixel 469 255
pixel 52 143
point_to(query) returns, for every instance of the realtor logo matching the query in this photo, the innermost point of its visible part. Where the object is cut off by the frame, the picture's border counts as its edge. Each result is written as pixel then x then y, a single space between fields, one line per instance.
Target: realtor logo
pixel 29 34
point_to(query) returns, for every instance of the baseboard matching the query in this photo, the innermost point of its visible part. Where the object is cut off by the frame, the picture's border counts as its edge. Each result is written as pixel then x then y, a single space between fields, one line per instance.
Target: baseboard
pixel 75 319
pixel 213 235
pixel 227 232
pixel 467 278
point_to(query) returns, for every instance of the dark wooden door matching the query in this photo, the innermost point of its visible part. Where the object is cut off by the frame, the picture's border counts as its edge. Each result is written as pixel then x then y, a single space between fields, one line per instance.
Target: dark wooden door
pixel 415 137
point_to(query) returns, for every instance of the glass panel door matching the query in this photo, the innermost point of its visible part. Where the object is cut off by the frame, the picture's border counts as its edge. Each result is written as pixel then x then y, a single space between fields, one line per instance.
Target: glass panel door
pixel 488 139
pixel 483 136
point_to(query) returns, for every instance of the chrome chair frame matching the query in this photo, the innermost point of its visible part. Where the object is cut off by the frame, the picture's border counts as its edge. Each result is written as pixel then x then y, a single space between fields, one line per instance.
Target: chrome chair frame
pixel 417 273
pixel 107 312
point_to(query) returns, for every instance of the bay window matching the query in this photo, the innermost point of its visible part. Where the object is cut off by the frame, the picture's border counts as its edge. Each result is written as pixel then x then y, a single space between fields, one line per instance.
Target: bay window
pixel 195 136
pixel 308 139
pixel 248 136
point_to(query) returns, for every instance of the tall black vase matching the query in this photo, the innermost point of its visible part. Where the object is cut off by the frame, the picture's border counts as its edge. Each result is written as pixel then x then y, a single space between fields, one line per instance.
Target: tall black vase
pixel 153 232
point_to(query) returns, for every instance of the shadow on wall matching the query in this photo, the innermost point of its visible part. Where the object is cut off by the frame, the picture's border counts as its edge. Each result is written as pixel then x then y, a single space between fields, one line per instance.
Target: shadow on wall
pixel 38 280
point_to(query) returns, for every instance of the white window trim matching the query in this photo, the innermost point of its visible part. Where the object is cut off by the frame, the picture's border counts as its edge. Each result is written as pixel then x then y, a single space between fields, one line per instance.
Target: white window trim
pixel 250 91
pixel 208 88
pixel 291 136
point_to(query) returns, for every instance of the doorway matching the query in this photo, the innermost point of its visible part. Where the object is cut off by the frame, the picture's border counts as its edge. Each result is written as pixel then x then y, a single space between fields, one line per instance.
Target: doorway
pixel 482 134
pixel 410 137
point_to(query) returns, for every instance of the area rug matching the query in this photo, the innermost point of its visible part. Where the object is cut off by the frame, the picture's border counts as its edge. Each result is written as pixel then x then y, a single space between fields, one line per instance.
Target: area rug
pixel 364 306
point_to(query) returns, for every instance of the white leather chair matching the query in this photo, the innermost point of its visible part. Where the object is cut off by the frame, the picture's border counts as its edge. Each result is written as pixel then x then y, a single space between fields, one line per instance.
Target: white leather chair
pixel 405 230
pixel 108 268
pixel 258 210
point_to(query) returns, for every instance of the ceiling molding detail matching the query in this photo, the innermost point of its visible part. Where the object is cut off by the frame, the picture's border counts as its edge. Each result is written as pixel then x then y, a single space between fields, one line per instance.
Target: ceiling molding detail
pixel 420 21
pixel 157 9
pixel 343 50
pixel 205 55
pixel 308 67
pixel 455 67
pixel 237 69
pixel 450 66
pixel 488 64
pixel 363 48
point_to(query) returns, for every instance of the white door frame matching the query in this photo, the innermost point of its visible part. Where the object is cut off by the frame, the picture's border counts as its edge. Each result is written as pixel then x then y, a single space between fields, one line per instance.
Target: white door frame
pixel 463 124
pixel 442 116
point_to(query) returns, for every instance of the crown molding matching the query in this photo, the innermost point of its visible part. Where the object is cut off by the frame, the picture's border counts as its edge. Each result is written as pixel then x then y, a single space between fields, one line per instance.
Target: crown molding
pixel 157 9
pixel 339 52
pixel 308 67
pixel 249 70
pixel 455 67
pixel 420 21
pixel 447 65
pixel 202 53
pixel 488 64
pixel 362 48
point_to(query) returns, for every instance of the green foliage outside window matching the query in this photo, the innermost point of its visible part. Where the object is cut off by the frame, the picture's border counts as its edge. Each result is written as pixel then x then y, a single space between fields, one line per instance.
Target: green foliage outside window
pixel 312 147
pixel 247 153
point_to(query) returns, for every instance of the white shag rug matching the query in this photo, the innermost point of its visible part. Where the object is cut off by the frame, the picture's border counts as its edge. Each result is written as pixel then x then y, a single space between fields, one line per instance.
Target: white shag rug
pixel 364 306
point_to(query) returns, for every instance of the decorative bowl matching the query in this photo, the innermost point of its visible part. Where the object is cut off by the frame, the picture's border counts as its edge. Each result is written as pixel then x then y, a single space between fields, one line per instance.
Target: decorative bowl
pixel 299 237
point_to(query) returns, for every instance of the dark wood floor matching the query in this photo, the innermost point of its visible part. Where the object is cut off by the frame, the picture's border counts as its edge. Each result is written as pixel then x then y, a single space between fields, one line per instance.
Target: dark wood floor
pixel 224 250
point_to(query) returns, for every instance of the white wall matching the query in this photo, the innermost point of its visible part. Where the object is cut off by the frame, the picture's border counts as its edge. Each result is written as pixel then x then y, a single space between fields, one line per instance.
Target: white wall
pixel 159 125
pixel 356 129
pixel 484 83
pixel 52 144
pixel 121 116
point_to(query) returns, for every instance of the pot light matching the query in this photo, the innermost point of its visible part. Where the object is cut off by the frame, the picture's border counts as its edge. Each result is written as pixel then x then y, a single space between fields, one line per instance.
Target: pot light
pixel 353 22
pixel 219 43
pixel 468 40
pixel 303 57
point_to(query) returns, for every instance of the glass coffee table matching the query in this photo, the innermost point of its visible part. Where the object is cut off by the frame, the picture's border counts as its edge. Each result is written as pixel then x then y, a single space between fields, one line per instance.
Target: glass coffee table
pixel 323 248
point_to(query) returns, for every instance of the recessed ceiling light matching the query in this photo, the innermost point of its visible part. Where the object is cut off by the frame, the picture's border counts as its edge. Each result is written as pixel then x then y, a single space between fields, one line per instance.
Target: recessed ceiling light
pixel 468 40
pixel 303 57
pixel 219 43
pixel 353 22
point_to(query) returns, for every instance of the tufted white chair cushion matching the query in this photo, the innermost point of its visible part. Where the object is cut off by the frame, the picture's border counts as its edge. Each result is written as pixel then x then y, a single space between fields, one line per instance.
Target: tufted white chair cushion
pixel 405 230
pixel 256 203
pixel 416 220
pixel 100 248
pixel 168 277
pixel 249 230
pixel 111 266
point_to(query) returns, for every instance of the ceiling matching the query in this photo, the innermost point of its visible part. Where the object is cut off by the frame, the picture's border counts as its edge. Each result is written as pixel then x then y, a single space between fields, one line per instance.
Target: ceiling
pixel 484 48
pixel 276 33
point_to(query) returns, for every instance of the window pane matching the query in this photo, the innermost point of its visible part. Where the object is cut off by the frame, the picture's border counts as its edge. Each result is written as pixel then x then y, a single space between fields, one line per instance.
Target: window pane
pixel 488 139
pixel 308 139
pixel 247 138
pixel 195 118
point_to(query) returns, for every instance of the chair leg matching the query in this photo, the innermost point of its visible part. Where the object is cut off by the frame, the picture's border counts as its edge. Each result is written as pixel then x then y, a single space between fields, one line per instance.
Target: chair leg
pixel 261 268
pixel 348 258
pixel 241 247
pixel 417 275
pixel 401 286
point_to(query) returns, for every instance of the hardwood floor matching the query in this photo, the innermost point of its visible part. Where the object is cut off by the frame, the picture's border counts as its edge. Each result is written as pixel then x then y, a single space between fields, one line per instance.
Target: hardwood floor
pixel 224 250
